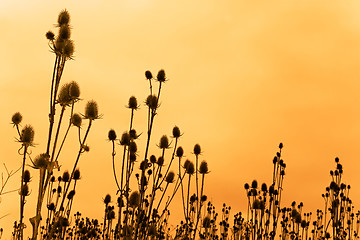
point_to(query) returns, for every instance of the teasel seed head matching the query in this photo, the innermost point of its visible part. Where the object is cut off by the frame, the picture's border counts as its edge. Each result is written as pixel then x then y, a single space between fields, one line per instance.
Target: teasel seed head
pixel 74 90
pixel 91 110
pixel 27 135
pixel 161 76
pixel 112 135
pixel 254 184
pixel 164 142
pixel 16 118
pixel 132 157
pixel 152 102
pixel 64 96
pixel 203 169
pixel 281 145
pixel 41 161
pixel 246 186
pixel 69 48
pixel 206 222
pixel 76 174
pixel 133 134
pixel 107 199
pixel 26 177
pixel 64 32
pixel 71 194
pixel 59 45
pixel 197 149
pixel 50 35
pixel 64 17
pixel 190 169
pixel 133 103
pixel 24 190
pixel 152 159
pixel 134 199
pixel 170 177
pixel 186 163
pixel 148 75
pixel 132 147
pixel 160 161
pixel 66 176
pixel 176 132
pixel 76 120
pixel 125 139
pixel 179 152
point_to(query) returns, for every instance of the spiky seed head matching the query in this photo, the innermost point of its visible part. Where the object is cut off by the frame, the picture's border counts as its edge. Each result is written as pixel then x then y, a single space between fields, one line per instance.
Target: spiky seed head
pixel 206 222
pixel 197 149
pixel 164 142
pixel 134 199
pixel 59 45
pixel 190 168
pixel 69 49
pixel 132 147
pixel 64 96
pixel 76 174
pixel 125 139
pixel 112 135
pixel 50 35
pixel 161 76
pixel 26 177
pixel 179 152
pixel 148 75
pixel 71 194
pixel 132 134
pixel 91 110
pixel 74 90
pixel 64 17
pixel 152 102
pixel 132 157
pixel 41 161
pixel 176 132
pixel 66 176
pixel 337 160
pixel 51 206
pixel 24 190
pixel 264 187
pixel 160 161
pixel 76 120
pixel 170 177
pixel 52 179
pixel 246 186
pixel 203 198
pixel 254 184
pixel 203 169
pixel 16 118
pixel 59 189
pixel 281 145
pixel 186 163
pixel 107 199
pixel 133 103
pixel 27 135
pixel 152 230
pixel 64 32
pixel 152 159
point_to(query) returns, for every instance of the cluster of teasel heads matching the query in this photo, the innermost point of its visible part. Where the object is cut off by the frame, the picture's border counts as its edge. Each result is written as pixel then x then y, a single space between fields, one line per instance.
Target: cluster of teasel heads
pixel 62 97
pixel 146 184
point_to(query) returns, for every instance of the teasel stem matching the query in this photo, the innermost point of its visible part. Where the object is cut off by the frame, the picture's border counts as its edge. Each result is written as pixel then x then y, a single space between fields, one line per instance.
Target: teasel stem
pixel 22 196
pixel 113 161
pixel 162 196
pixel 57 132
pixel 76 162
pixel 197 182
pixel 171 160
pixel 187 202
pixel 182 188
pixel 200 204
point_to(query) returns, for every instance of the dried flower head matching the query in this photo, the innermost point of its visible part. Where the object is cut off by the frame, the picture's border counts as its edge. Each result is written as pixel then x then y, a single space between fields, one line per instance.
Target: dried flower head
pixel 176 132
pixel 170 177
pixel 133 134
pixel 132 157
pixel 91 110
pixel 206 222
pixel 26 177
pixel 64 32
pixel 59 45
pixel 203 169
pixel 179 152
pixel 76 120
pixel 134 199
pixel 152 159
pixel 112 135
pixel 254 184
pixel 69 49
pixel 152 102
pixel 197 149
pixel 16 118
pixel 160 161
pixel 132 147
pixel 64 17
pixel 148 75
pixel 161 76
pixel 27 135
pixel 74 90
pixel 64 98
pixel 125 139
pixel 190 168
pixel 50 35
pixel 24 190
pixel 41 161
pixel 71 194
pixel 66 176
pixel 76 174
pixel 107 199
pixel 186 163
pixel 164 142
pixel 133 103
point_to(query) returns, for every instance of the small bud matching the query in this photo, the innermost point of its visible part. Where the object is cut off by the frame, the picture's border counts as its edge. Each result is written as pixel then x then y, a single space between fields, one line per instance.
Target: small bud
pixel 51 206
pixel 134 199
pixel 203 169
pixel 152 159
pixel 26 177
pixel 170 177
pixel 66 176
pixel 91 110
pixel 176 132
pixel 164 142
pixel 59 189
pixel 50 35
pixel 132 103
pixel 112 135
pixel 76 174
pixel 86 148
pixel 161 76
pixel 148 75
pixel 16 118
pixel 281 145
pixel 64 17
pixel 179 152
pixel 24 190
pixel 27 135
pixel 71 194
pixel 76 120
pixel 254 184
pixel 197 149
pixel 107 199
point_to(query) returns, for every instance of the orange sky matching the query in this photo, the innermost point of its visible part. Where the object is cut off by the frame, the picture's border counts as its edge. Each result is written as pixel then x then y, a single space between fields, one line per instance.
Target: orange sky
pixel 243 76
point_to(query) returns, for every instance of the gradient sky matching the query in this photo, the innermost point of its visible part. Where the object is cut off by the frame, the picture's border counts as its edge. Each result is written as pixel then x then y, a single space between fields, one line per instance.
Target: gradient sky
pixel 243 77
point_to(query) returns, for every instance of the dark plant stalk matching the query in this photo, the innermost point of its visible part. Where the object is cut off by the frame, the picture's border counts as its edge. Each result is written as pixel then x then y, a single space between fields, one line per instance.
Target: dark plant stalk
pixel 22 196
